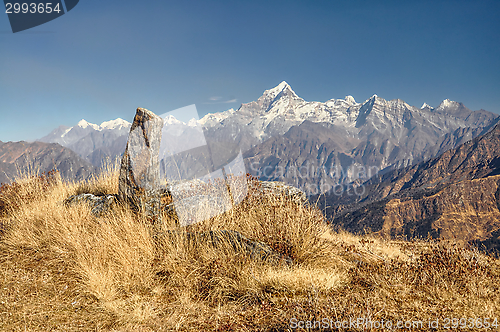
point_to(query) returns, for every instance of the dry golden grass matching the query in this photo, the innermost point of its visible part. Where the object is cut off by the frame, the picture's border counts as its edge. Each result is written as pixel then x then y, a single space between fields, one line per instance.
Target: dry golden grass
pixel 62 269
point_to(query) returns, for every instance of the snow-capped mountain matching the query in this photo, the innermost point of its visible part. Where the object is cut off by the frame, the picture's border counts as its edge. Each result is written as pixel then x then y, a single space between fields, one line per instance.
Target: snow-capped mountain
pixel 278 109
pixel 69 135
pixel 91 141
pixel 282 130
pixel 425 105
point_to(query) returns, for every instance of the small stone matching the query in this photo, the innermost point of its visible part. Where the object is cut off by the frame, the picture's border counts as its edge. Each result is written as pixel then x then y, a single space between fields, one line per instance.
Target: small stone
pixel 139 181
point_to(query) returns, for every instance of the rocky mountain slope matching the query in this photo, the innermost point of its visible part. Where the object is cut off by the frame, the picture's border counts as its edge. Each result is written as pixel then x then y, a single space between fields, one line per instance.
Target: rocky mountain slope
pixel 22 157
pixel 456 195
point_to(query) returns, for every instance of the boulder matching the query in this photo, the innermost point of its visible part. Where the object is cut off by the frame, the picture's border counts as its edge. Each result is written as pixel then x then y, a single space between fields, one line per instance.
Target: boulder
pixel 197 206
pixel 194 201
pixel 191 210
pixel 139 180
pixel 280 188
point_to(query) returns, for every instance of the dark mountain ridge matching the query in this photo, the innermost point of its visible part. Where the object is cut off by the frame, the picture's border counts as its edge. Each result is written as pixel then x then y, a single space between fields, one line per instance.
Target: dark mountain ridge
pixel 455 195
pixel 23 157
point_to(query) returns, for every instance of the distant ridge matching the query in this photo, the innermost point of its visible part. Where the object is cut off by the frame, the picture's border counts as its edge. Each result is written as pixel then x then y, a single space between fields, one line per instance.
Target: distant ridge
pixel 22 156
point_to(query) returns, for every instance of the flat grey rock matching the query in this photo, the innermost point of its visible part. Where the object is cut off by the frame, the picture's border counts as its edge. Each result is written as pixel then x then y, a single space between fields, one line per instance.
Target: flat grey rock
pixel 281 188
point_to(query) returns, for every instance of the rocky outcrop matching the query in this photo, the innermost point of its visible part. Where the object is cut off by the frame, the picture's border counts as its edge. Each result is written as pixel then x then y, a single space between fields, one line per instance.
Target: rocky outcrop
pixel 198 206
pixel 277 188
pixel 139 181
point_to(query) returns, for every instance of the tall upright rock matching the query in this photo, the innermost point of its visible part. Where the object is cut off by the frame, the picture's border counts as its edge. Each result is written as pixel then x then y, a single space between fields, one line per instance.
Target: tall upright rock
pixel 139 181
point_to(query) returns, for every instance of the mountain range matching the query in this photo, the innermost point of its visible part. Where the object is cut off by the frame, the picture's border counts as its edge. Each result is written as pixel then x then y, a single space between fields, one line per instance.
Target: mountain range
pixel 312 145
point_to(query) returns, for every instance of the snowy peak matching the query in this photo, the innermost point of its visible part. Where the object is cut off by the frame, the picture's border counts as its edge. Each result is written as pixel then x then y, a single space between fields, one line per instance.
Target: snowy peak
pixel 84 124
pixel 280 99
pixel 282 89
pixel 114 124
pixel 282 85
pixel 193 123
pixel 277 89
pixel 212 118
pixel 109 125
pixel 374 100
pixel 448 104
pixel 350 100
pixel 368 104
pixel 170 120
pixel 68 135
pixel 425 105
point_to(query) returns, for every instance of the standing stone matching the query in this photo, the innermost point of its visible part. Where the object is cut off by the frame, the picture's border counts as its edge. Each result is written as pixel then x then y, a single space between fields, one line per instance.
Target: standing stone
pixel 139 181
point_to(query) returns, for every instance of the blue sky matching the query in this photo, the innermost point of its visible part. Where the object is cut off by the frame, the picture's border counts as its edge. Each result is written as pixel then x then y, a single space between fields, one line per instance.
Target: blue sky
pixel 104 59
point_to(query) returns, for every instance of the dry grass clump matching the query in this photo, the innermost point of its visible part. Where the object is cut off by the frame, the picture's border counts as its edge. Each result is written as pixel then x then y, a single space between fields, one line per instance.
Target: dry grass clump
pixel 61 268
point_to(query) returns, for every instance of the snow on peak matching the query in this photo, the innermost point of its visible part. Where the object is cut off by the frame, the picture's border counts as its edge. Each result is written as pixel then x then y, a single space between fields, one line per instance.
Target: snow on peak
pixel 217 117
pixel 448 103
pixel 350 99
pixel 425 105
pixel 170 119
pixel 84 124
pixel 113 124
pixel 193 123
pixel 372 98
pixel 283 86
